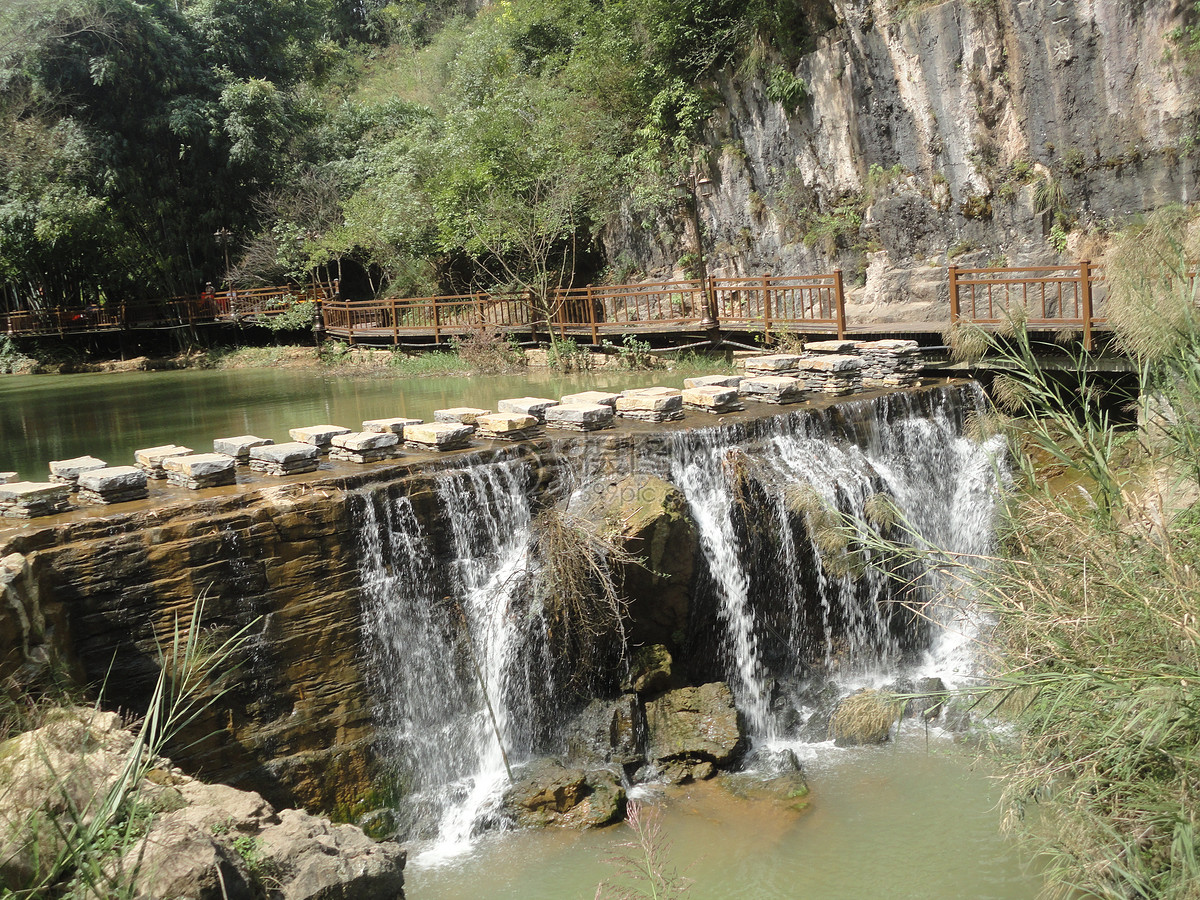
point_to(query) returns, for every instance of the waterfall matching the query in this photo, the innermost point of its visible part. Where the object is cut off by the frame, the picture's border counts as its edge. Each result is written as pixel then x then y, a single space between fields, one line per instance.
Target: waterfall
pixel 907 450
pixel 459 643
pixel 461 658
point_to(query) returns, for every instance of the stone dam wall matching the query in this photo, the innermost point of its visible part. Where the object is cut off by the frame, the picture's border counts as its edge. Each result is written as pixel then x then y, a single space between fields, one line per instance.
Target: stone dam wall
pixel 86 597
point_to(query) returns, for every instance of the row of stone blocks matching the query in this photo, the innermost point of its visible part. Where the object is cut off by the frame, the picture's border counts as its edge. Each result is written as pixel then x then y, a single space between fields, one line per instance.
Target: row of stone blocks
pixel 841 367
pixel 831 367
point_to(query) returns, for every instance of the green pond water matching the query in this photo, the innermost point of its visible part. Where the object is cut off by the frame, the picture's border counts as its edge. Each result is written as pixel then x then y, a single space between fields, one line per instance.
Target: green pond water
pixel 110 415
pixel 906 821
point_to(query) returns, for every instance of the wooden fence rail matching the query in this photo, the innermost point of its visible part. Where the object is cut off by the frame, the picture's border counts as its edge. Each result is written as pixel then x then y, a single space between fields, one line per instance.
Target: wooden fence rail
pixel 815 303
pixel 170 312
pixel 1043 297
pixel 1059 298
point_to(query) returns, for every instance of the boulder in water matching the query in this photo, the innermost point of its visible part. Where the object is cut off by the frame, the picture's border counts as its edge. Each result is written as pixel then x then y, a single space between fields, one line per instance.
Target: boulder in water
pixel 650 518
pixel 693 730
pixel 865 717
pixel 548 793
pixel 607 731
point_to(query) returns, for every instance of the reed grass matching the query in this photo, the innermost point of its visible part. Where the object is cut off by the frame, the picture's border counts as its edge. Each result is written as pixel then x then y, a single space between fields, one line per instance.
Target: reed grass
pixel 89 836
pixel 1094 594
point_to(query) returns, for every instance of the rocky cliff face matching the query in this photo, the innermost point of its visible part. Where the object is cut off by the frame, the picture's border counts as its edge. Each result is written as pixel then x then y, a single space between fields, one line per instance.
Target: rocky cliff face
pixel 976 132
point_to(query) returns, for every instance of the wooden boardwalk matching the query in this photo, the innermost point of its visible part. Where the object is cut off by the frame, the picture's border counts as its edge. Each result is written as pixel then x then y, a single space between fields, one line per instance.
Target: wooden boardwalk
pixel 1054 299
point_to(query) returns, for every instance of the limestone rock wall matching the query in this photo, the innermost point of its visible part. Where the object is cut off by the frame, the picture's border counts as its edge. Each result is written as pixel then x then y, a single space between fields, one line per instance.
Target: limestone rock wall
pixel 926 132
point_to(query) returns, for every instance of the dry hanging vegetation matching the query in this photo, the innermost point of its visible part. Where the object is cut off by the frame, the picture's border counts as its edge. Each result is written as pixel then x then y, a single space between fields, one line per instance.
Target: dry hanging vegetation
pixel 574 580
pixel 1096 595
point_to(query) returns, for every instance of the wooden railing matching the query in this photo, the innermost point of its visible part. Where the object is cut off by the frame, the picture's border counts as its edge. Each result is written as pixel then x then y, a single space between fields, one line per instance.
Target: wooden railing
pixel 814 303
pixel 1043 297
pixel 197 309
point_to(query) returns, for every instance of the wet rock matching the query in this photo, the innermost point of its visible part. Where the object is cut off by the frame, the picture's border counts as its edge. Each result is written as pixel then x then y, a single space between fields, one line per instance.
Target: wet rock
pixel 929 697
pixel 654 404
pixel 789 790
pixel 607 731
pixel 457 415
pixel 865 717
pixel 320 436
pixel 239 447
pixel 439 435
pixel 772 389
pixel 365 446
pixel 201 470
pixel 395 424
pixel 726 381
pixel 67 471
pixel 650 670
pixel 580 416
pixel 30 499
pixel 650 518
pixel 691 726
pixel 507 426
pixel 772 364
pixel 547 793
pixel 150 460
pixel 604 398
pixel 527 406
pixel 712 399
pixel 289 458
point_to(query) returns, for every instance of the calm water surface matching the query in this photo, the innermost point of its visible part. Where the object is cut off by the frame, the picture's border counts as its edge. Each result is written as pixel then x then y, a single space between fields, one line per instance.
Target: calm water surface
pixel 898 822
pixel 110 415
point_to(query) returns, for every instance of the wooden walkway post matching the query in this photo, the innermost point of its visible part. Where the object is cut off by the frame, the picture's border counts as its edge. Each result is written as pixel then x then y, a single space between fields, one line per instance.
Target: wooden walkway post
pixel 953 271
pixel 591 316
pixel 840 300
pixel 437 323
pixel 1085 293
pixel 766 304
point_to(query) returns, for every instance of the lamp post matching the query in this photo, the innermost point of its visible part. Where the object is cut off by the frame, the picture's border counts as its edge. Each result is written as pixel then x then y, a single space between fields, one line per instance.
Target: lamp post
pixel 690 188
pixel 224 237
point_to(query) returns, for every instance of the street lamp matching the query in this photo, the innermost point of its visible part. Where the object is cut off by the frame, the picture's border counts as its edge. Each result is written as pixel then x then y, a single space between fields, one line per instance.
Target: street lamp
pixel 224 237
pixel 692 187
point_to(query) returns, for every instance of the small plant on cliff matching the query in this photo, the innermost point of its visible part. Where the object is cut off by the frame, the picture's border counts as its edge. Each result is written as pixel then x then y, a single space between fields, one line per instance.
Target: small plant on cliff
pixel 644 871
pixel 787 89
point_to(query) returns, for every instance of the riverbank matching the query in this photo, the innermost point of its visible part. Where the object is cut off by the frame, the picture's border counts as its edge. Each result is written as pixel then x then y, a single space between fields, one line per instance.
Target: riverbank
pixel 336 358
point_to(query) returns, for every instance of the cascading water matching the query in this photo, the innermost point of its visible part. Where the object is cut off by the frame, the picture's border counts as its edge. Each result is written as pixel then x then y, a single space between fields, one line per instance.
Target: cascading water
pixel 897 452
pixel 461 649
pixel 463 663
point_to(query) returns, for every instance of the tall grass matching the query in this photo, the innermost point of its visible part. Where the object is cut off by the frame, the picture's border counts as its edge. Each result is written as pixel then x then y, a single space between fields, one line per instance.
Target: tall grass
pixel 76 839
pixel 1095 595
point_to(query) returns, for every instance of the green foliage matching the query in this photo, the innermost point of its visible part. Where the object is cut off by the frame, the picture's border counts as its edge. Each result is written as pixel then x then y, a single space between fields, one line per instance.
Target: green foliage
pixel 1058 238
pixel 11 357
pixel 787 89
pixel 831 229
pixel 633 353
pixel 299 316
pixel 1186 39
